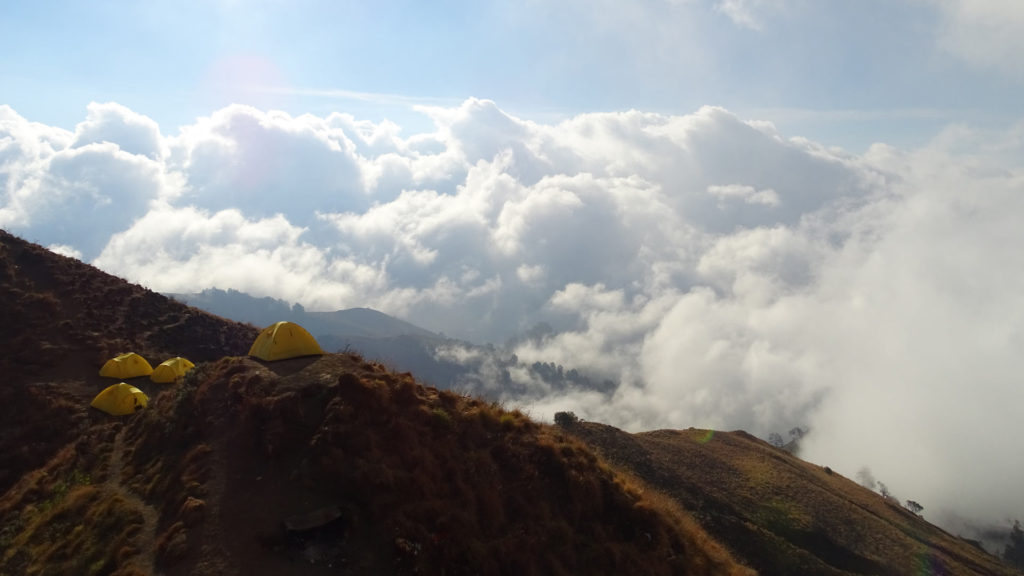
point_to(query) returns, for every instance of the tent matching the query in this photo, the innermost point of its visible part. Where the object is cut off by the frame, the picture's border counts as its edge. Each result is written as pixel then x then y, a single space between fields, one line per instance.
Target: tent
pixel 127 365
pixel 120 399
pixel 171 370
pixel 284 340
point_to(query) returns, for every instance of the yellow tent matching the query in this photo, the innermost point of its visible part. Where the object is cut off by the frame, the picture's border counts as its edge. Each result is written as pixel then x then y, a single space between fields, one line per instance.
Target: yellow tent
pixel 171 370
pixel 120 399
pixel 284 340
pixel 127 365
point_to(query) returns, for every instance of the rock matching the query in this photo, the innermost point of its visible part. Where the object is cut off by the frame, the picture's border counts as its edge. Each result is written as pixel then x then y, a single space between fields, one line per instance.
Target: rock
pixel 192 511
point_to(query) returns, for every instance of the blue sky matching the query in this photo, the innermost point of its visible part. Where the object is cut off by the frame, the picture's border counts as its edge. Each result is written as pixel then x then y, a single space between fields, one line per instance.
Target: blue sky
pixel 844 73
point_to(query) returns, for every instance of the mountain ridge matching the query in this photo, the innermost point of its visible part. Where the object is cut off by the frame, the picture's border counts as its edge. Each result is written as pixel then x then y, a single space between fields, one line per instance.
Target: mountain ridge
pixel 223 470
pixel 783 515
pixel 336 464
pixel 359 322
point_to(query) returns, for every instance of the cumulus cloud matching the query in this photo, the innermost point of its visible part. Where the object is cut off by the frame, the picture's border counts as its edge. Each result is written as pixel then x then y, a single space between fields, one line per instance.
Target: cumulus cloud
pixel 265 163
pixel 61 188
pixel 719 273
pixel 187 249
pixel 132 133
pixel 65 250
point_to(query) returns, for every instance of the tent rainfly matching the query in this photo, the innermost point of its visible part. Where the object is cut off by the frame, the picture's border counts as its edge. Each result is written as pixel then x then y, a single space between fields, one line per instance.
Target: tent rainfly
pixel 170 370
pixel 284 340
pixel 127 365
pixel 120 399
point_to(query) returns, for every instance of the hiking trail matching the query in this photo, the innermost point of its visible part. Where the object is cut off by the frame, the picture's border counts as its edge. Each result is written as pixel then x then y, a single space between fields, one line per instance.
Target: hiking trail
pixel 146 539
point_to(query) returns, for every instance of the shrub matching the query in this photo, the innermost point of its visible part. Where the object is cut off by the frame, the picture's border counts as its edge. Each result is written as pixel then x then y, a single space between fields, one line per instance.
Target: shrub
pixel 566 419
pixel 441 418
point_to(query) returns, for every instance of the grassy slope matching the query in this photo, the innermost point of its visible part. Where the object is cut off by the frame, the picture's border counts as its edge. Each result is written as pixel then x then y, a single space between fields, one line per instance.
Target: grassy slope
pixel 62 319
pixel 782 515
pixel 426 481
pixel 200 483
pixel 421 479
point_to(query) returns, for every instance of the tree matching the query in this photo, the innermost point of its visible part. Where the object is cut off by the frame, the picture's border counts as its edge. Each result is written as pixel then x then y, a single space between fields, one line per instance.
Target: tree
pixel 797 433
pixel 886 495
pixel 775 439
pixel 914 507
pixel 1014 552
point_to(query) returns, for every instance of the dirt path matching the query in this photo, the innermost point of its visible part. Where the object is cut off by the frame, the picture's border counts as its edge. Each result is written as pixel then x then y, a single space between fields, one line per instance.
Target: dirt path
pixel 213 551
pixel 147 536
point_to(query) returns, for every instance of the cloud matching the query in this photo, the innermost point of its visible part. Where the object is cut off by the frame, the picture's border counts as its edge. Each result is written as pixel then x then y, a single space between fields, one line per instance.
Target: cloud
pixel 185 249
pixel 889 325
pixel 722 274
pixel 60 188
pixel 747 194
pixel 926 293
pixel 65 250
pixel 265 163
pixel 985 33
pixel 132 133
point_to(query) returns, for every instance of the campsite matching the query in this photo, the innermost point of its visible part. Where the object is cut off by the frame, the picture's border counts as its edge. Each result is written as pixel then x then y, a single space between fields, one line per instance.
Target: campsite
pixel 487 287
pixel 358 469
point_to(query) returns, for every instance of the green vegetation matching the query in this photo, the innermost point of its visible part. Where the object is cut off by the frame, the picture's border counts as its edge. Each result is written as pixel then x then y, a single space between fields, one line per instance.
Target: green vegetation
pixel 60 489
pixel 441 418
pixel 566 419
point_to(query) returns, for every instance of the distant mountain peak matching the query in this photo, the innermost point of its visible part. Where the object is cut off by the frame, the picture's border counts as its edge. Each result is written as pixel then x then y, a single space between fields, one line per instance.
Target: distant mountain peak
pixel 360 322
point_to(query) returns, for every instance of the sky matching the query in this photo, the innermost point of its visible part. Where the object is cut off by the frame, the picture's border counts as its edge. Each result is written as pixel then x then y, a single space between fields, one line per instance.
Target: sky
pixel 841 73
pixel 751 214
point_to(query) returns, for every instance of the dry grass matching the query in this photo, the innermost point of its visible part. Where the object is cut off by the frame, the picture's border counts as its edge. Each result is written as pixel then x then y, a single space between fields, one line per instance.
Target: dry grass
pixel 64 319
pixel 429 481
pixel 88 532
pixel 60 520
pixel 782 515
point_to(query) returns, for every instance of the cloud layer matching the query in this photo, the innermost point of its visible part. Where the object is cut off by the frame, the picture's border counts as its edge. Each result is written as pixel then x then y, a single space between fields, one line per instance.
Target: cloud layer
pixel 723 274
